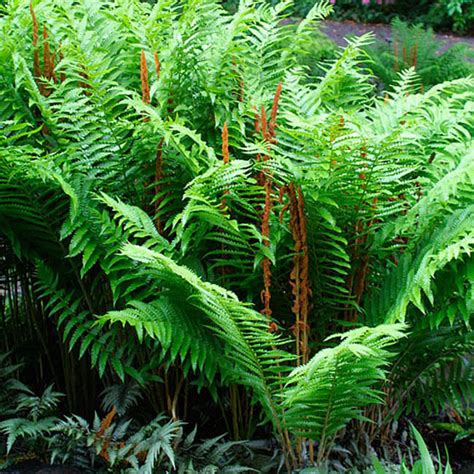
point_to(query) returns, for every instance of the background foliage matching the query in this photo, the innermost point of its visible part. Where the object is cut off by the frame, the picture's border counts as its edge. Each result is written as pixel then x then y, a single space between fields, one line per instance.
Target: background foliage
pixel 452 15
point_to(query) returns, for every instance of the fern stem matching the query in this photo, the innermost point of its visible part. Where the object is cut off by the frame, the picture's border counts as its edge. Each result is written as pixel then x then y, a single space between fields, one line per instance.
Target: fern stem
pixel 144 78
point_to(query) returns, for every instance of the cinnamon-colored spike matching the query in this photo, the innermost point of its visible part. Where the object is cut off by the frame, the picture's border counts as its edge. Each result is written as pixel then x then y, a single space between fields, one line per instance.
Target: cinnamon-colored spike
pixel 157 64
pixel 274 111
pixel 35 25
pixel 225 144
pixel 299 276
pixel 415 55
pixel 144 78
pixel 263 123
pixel 267 274
pixel 107 421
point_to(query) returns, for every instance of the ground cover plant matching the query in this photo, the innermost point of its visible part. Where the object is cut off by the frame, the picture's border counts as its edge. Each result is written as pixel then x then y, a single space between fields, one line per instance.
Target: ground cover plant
pixel 184 214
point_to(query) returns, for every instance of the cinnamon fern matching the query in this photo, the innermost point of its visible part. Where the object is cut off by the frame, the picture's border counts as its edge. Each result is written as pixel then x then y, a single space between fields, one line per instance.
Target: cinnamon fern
pixel 147 156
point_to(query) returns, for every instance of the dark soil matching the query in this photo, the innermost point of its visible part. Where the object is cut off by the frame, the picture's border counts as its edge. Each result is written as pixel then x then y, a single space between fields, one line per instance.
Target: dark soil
pixel 338 30
pixel 34 467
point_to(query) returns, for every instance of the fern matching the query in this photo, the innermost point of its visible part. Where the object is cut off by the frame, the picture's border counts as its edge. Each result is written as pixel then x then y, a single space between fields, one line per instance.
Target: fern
pixel 36 420
pixel 147 234
pixel 321 396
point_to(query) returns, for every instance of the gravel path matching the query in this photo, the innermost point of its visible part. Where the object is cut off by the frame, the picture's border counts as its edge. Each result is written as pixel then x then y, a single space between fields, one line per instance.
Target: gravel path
pixel 338 30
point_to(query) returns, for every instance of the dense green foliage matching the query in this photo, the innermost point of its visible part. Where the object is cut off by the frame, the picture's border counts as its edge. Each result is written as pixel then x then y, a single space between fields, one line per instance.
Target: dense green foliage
pixel 183 209
pixel 455 15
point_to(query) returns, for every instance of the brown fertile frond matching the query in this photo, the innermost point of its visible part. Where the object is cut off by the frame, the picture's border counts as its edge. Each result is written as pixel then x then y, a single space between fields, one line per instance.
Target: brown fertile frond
pixel 263 123
pixel 305 283
pixel 274 112
pixel 358 280
pixel 48 64
pixel 415 55
pixel 35 25
pixel 299 276
pixel 265 294
pixel 225 144
pixel 268 133
pixel 157 64
pixel 144 79
pixel 106 422
pixel 226 159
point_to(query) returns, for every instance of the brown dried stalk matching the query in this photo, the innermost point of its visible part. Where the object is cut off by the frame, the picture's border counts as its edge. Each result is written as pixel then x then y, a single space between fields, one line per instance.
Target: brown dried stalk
pixel 268 133
pixel 226 159
pixel 144 79
pixel 265 295
pixel 273 115
pixel 106 422
pixel 415 55
pixel 359 279
pixel 157 64
pixel 159 150
pixel 299 276
pixel 299 282
pixel 305 285
pixel 225 144
pixel 46 55
pixel 48 60
pixel 264 123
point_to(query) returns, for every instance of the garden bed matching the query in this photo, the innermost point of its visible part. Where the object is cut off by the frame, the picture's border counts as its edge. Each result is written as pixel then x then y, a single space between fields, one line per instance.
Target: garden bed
pixel 339 30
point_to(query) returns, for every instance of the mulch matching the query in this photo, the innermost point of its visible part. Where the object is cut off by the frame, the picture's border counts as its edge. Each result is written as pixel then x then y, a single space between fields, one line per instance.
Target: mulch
pixel 338 30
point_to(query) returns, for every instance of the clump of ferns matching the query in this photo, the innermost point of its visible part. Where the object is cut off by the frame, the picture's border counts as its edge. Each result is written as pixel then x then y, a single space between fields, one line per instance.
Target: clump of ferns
pixel 293 194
